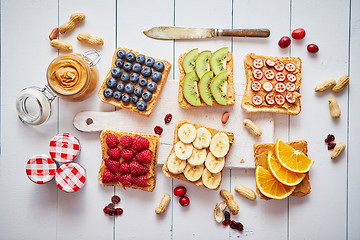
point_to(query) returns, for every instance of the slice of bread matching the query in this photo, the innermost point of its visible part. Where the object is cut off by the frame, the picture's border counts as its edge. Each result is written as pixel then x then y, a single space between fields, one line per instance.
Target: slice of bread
pixel 153 147
pixel 230 84
pixel 132 107
pixel 181 176
pixel 260 154
pixel 286 108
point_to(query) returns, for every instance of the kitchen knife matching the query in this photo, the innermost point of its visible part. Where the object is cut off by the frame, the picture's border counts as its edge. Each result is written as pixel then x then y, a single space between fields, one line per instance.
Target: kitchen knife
pixel 170 33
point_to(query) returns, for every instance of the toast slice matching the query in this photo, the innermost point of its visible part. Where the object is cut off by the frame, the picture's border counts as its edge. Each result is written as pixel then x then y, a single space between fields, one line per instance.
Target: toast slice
pixel 260 154
pixel 153 147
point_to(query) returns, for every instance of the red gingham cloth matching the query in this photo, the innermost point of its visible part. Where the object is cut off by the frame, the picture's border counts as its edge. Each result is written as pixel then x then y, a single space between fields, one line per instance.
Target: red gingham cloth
pixel 70 177
pixel 64 148
pixel 40 168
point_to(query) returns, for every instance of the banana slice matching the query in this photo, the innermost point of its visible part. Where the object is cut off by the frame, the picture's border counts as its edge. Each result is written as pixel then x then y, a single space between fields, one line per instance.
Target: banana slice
pixel 203 138
pixel 187 133
pixel 211 180
pixel 220 144
pixel 193 173
pixel 197 157
pixel 175 165
pixel 214 164
pixel 183 151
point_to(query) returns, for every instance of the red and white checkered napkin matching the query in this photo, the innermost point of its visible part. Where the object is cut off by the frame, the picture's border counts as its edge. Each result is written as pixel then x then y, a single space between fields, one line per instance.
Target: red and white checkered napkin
pixel 64 148
pixel 70 177
pixel 40 168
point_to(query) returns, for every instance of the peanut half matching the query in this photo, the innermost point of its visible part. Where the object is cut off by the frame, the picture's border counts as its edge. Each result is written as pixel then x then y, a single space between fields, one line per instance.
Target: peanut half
pixel 341 83
pixel 54 33
pixel 93 40
pixel 229 198
pixel 219 211
pixel 334 108
pixel 252 127
pixel 246 192
pixel 61 45
pixel 325 85
pixel 339 148
pixel 163 204
pixel 70 25
pixel 225 117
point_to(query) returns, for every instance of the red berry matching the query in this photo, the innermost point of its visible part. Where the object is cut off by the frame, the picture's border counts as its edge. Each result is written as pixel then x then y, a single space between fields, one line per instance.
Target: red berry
pixel 124 167
pixel 226 222
pixel 115 199
pixel 284 42
pixel 140 143
pixel 111 205
pixel 180 191
pixel 233 224
pixel 331 145
pixel 144 156
pixel 184 201
pixel 168 118
pixel 113 165
pixel 118 211
pixel 112 140
pixel 158 130
pixel 127 154
pixel 298 33
pixel 138 169
pixel 140 181
pixel 114 153
pixel 125 179
pixel 313 48
pixel 227 215
pixel 126 141
pixel 109 176
pixel 107 210
pixel 329 138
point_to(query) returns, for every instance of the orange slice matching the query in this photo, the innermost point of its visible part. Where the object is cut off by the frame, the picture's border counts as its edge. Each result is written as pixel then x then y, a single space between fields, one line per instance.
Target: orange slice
pixel 269 186
pixel 283 175
pixel 292 159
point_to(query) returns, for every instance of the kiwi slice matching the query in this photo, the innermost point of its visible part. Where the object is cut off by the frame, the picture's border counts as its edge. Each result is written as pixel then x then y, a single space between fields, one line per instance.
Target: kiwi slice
pixel 189 60
pixel 190 89
pixel 202 63
pixel 219 88
pixel 204 88
pixel 218 60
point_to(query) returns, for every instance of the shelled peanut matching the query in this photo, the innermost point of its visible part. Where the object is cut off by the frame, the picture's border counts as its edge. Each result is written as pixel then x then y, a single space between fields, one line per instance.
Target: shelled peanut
pixel 163 204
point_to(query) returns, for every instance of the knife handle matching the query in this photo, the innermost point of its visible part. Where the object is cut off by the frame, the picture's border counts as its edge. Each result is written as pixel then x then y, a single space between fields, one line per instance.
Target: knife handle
pixel 263 32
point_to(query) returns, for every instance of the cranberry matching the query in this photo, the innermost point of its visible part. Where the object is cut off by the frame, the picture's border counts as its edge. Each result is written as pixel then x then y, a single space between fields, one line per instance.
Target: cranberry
pixel 284 42
pixel 226 222
pixel 180 191
pixel 118 211
pixel 331 145
pixel 115 199
pixel 227 215
pixel 168 118
pixel 107 210
pixel 233 224
pixel 330 138
pixel 313 48
pixel 239 226
pixel 298 33
pixel 110 205
pixel 158 130
pixel 184 201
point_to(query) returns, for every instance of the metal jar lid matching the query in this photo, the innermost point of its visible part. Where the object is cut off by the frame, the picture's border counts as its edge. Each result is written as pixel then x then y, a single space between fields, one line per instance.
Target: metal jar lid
pixel 64 148
pixel 41 168
pixel 70 177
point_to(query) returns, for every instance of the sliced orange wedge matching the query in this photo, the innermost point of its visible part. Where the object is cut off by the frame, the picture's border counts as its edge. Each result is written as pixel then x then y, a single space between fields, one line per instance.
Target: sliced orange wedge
pixel 283 175
pixel 269 186
pixel 292 159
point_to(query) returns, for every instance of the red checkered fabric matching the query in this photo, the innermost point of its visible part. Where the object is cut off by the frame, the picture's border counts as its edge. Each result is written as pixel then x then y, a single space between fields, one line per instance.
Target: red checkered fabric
pixel 64 148
pixel 40 168
pixel 70 177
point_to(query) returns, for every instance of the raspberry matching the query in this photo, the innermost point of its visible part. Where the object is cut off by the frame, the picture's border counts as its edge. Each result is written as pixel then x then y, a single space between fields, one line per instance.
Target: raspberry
pixel 168 118
pixel 115 199
pixel 144 156
pixel 112 140
pixel 158 130
pixel 140 181
pixel 125 179
pixel 126 141
pixel 138 169
pixel 124 167
pixel 140 143
pixel 109 176
pixel 114 153
pixel 113 165
pixel 331 145
pixel 127 154
pixel 118 211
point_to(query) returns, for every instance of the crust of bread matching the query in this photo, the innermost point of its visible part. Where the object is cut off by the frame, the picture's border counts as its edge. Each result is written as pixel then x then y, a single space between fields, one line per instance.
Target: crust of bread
pixel 230 84
pixel 181 176
pixel 287 108
pixel 131 107
pixel 260 154
pixel 153 147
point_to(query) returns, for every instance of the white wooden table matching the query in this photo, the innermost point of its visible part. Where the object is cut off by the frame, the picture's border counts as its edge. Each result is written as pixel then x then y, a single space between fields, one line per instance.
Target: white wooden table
pixel 31 211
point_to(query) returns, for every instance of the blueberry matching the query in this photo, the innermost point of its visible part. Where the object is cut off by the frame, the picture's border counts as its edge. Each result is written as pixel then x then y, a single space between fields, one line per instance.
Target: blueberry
pixel 108 93
pixel 119 62
pixel 146 71
pixel 134 99
pixel 138 91
pixel 129 88
pixel 111 82
pixel 121 54
pixel 141 105
pixel 137 67
pixel 143 82
pixel 151 86
pixel 130 57
pixel 147 96
pixel 140 59
pixel 156 76
pixel 125 98
pixel 159 66
pixel 117 95
pixel 120 86
pixel 134 77
pixel 116 72
pixel 125 77
pixel 127 66
pixel 149 62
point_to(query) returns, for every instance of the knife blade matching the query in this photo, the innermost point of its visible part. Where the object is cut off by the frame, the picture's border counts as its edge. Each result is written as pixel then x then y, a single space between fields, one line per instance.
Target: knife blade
pixel 171 33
